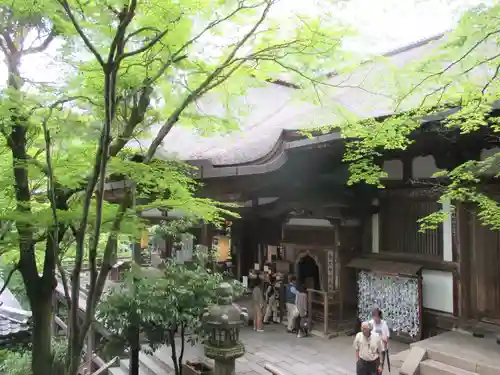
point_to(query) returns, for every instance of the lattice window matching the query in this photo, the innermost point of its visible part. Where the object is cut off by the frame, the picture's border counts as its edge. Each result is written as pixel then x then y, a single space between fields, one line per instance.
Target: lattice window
pixel 399 227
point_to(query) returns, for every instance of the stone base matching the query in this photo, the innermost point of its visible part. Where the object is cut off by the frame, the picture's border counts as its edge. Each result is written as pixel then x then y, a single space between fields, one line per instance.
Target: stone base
pixel 196 368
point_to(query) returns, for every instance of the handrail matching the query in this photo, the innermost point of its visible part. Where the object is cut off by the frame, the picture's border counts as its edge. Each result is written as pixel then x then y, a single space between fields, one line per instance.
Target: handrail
pixel 105 366
pixel 64 327
pixel 274 370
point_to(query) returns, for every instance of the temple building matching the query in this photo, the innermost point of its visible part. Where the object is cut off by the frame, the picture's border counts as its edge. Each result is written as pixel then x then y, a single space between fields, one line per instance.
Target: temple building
pixel 354 247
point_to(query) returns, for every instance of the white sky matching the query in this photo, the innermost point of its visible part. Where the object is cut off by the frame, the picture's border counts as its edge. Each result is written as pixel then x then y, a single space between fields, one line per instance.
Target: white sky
pixel 382 25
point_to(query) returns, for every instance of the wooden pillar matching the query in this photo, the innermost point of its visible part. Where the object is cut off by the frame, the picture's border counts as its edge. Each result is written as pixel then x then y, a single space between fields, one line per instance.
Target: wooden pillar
pixel 463 251
pixel 260 255
pixel 475 244
pixel 114 274
pixel 55 308
pixel 90 348
pixel 325 313
pixel 205 239
pixel 136 250
pixel 309 306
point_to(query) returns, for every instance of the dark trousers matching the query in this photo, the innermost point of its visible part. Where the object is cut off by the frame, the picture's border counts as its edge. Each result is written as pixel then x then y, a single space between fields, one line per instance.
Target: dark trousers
pixel 367 367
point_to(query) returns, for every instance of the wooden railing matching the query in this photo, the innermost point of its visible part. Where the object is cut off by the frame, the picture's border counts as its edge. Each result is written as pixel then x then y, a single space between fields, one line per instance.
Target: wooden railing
pixel 93 361
pixel 324 307
pixel 69 262
pixel 274 370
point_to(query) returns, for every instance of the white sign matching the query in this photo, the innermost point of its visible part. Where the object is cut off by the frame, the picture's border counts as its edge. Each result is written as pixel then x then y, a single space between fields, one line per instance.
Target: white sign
pixel 266 269
pixel 256 267
pixel 244 281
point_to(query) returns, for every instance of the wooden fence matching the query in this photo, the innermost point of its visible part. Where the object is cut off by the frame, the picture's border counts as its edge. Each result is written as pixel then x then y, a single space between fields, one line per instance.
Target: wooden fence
pixel 92 361
pixel 325 307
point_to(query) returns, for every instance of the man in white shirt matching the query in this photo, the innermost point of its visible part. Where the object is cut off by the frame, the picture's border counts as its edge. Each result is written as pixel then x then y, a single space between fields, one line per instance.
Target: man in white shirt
pixel 369 348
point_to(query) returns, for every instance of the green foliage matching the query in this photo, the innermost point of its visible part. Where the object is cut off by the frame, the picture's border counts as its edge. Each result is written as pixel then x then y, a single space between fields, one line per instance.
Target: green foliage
pixel 18 362
pixel 161 303
pixel 463 72
pixel 129 71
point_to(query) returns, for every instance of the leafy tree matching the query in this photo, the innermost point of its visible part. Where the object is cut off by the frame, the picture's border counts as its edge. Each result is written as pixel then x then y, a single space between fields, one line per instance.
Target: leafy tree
pixel 130 69
pixel 448 78
pixel 161 305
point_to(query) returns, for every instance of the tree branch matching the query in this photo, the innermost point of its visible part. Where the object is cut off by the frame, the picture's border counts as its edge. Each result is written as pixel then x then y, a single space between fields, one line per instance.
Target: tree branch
pixel 495 75
pixel 448 67
pixel 180 54
pixel 147 46
pixel 80 32
pixel 95 294
pixel 136 117
pixel 117 45
pixel 43 46
pixel 141 30
pixel 174 117
pixel 9 277
pixel 10 43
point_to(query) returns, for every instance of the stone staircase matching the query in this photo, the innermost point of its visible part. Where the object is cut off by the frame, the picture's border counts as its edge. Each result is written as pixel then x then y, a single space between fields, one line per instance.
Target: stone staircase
pixel 451 353
pixel 159 363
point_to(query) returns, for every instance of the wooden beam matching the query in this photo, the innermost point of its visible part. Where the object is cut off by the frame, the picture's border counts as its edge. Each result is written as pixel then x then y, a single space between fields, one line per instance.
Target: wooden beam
pixel 464 260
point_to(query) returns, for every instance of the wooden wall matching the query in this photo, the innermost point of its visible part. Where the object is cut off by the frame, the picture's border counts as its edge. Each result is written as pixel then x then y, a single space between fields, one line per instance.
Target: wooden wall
pixel 484 272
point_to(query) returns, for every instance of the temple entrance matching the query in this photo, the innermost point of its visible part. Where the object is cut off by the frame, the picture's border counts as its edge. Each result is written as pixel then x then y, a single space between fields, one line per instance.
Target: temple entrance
pixel 308 273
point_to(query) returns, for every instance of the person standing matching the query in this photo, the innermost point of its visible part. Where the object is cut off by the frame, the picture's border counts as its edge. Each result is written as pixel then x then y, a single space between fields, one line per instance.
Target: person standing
pixel 380 327
pixel 369 351
pixel 291 308
pixel 301 303
pixel 272 300
pixel 258 305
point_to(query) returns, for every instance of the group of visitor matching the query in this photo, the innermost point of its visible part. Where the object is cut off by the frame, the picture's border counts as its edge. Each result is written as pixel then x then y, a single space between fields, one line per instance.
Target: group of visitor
pixel 371 345
pixel 268 302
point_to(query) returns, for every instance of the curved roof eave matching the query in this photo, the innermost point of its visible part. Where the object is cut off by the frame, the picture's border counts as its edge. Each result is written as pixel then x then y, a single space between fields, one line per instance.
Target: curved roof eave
pixel 208 170
pixel 279 155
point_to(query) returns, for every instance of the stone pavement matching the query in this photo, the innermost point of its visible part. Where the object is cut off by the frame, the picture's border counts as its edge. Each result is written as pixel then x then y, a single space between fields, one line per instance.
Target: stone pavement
pixel 305 356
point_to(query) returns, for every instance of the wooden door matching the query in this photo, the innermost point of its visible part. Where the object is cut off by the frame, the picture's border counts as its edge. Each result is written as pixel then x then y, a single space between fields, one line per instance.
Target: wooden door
pixel 485 272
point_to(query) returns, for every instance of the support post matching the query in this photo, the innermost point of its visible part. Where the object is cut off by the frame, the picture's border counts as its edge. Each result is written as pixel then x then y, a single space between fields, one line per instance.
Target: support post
pixel 325 313
pixel 463 242
pixel 90 348
pixel 54 314
pixel 309 307
pixel 136 250
pixel 341 305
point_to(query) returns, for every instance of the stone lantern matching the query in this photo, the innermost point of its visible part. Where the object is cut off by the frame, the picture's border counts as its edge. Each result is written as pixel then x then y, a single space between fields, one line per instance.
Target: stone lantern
pixel 221 323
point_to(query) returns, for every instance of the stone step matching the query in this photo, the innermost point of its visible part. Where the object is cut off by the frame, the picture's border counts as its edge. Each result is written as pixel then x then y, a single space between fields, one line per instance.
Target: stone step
pixel 117 371
pixel 125 364
pixel 398 358
pixel 151 367
pixel 452 360
pixel 430 367
pixel 163 359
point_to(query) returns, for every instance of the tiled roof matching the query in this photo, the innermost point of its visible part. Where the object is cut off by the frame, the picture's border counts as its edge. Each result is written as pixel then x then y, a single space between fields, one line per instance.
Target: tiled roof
pixel 13 319
pixel 275 108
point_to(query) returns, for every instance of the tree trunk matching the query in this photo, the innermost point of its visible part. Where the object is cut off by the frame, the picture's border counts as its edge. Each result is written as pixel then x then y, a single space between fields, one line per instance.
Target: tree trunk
pixel 171 337
pixel 183 343
pixel 135 349
pixel 42 335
